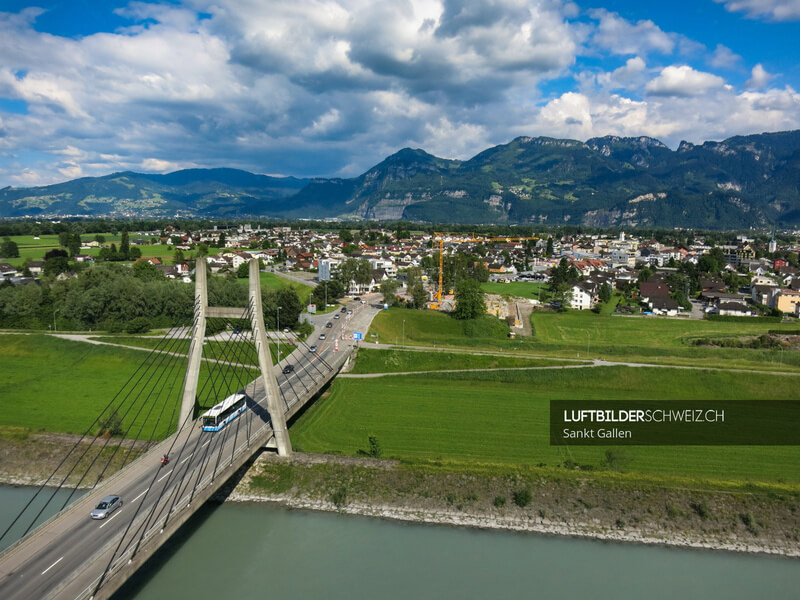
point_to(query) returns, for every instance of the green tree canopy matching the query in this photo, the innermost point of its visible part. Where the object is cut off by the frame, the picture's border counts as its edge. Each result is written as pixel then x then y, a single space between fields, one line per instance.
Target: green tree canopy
pixel 469 300
pixel 9 248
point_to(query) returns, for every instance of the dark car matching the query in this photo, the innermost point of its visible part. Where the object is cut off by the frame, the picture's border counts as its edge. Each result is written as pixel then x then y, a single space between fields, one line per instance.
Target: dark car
pixel 312 348
pixel 344 309
pixel 328 324
pixel 288 369
pixel 356 298
pixel 106 506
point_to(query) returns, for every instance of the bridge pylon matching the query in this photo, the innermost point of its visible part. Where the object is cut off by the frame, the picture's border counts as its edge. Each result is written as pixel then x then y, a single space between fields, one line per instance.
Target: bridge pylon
pixel 255 315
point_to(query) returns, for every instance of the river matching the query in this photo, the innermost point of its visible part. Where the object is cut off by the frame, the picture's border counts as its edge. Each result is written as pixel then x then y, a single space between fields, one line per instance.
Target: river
pixel 243 551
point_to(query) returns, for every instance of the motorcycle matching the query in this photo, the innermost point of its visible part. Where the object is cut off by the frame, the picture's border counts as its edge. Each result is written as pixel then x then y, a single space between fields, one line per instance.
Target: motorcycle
pixel 164 460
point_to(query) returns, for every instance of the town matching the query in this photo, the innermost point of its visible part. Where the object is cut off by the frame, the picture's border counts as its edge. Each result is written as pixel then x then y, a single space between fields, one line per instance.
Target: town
pixel 700 275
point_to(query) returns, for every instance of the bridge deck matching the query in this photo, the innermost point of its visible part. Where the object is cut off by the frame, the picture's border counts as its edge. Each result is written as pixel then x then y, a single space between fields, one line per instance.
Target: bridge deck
pixel 66 557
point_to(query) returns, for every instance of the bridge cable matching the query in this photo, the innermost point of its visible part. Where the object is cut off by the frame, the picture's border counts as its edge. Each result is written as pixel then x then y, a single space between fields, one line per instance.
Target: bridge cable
pixel 70 453
pixel 158 360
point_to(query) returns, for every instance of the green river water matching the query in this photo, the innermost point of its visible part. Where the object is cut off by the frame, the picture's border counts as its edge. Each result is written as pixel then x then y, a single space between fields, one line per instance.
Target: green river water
pixel 244 551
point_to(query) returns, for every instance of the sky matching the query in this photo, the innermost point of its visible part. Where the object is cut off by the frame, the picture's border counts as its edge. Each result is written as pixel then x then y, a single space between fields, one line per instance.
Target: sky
pixel 330 88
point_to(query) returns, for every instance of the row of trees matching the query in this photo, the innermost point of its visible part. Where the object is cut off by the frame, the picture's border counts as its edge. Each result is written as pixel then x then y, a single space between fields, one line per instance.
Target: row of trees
pixel 111 297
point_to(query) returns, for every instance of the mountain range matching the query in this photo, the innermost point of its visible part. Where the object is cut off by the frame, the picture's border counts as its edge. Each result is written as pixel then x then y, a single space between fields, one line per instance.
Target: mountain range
pixel 741 182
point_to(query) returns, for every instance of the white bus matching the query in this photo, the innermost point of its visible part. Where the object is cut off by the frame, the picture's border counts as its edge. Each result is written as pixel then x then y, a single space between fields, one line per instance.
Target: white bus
pixel 223 413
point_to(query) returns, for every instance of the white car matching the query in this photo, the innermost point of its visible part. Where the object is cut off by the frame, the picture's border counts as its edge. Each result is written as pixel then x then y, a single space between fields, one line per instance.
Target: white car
pixel 322 336
pixel 106 506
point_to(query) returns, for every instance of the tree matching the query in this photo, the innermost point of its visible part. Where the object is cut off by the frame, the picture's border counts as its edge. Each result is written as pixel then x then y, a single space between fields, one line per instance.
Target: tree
pixel 55 261
pixel 202 249
pixel 178 257
pixel 363 274
pixel 125 245
pixel 63 238
pixel 100 239
pixel 604 293
pixel 389 291
pixel 346 236
pixel 135 253
pixel 549 250
pixel 291 306
pixel 74 244
pixel 347 272
pixel 9 248
pixel 327 290
pixel 222 240
pixel 146 271
pixel 242 272
pixel 469 300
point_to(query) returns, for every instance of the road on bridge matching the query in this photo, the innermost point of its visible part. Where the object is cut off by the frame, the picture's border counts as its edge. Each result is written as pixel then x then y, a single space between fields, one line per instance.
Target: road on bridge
pixel 66 557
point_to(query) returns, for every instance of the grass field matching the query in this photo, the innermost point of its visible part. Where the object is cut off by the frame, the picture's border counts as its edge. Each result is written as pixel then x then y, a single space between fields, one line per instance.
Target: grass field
pixel 239 352
pixel 276 282
pixel 502 417
pixel 394 361
pixel 522 289
pixel 431 328
pixel 32 249
pixel 56 385
pixel 571 334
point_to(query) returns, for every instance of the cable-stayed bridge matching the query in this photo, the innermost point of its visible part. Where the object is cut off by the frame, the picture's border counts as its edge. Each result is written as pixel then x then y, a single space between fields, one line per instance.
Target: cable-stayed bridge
pixel 159 412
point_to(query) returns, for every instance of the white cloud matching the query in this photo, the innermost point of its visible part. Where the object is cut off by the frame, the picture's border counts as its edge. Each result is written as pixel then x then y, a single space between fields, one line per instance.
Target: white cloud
pixel 759 78
pixel 683 81
pixel 719 114
pixel 158 165
pixel 327 87
pixel 623 37
pixel 772 10
pixel 628 76
pixel 724 58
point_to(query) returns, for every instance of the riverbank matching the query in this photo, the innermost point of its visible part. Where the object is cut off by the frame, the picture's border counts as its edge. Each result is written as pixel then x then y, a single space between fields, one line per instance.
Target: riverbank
pixel 730 516
pixel 715 516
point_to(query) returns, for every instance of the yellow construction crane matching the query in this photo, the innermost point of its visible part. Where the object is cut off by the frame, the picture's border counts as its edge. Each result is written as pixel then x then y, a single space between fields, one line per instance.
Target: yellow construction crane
pixel 437 302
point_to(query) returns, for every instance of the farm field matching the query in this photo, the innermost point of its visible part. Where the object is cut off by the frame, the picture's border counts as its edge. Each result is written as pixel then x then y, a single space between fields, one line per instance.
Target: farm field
pixel 30 248
pixel 239 352
pixel 61 386
pixel 617 338
pixel 523 289
pixel 276 282
pixel 502 418
pixel 393 361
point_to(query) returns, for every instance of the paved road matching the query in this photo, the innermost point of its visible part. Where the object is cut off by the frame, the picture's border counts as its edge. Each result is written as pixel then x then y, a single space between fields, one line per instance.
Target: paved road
pixel 73 550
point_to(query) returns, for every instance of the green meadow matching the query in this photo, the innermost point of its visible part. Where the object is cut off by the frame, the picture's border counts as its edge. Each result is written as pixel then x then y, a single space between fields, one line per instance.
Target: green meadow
pixel 238 352
pixel 501 418
pixel 394 361
pixel 576 334
pixel 521 289
pixel 61 386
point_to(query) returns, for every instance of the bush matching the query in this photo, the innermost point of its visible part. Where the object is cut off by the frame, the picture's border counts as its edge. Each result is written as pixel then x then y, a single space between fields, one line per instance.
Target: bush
pixel 522 497
pixel 702 509
pixel 749 522
pixel 499 501
pixel 339 497
pixel 374 447
pixel 138 325
pixel 111 426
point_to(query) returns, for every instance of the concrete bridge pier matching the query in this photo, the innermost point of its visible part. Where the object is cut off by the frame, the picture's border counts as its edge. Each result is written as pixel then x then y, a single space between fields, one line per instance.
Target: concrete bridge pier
pixel 255 315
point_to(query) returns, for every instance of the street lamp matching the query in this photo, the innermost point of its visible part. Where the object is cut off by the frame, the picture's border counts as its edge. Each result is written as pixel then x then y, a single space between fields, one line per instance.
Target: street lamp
pixel 55 328
pixel 326 294
pixel 278 311
pixel 587 344
pixel 404 333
